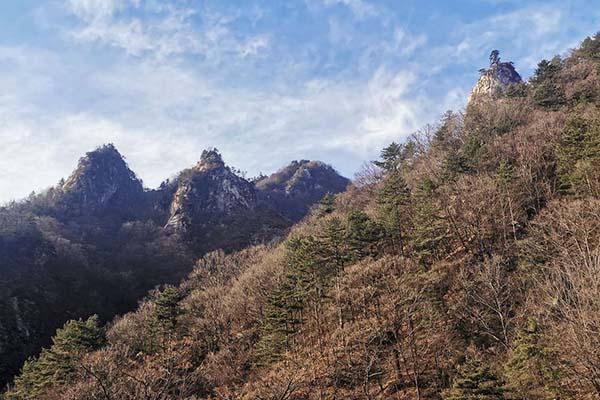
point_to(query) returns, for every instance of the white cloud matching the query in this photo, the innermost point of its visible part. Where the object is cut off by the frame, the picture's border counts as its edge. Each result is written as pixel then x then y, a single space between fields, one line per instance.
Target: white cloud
pixel 160 29
pixel 167 30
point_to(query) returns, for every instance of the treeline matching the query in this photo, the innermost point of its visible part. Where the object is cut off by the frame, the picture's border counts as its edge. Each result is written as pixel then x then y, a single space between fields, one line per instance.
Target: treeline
pixel 464 264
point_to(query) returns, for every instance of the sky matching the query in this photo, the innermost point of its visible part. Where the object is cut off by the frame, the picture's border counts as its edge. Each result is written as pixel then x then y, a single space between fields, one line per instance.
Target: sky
pixel 264 81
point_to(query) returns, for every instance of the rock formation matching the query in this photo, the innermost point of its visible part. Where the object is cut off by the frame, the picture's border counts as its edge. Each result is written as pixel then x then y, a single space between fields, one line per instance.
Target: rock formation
pixel 495 80
pixel 101 180
pixel 208 192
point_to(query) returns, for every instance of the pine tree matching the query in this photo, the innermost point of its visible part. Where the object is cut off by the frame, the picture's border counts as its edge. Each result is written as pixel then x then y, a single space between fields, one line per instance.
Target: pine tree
pixel 429 232
pixel 579 156
pixel 58 363
pixel 391 157
pixel 590 48
pixel 445 137
pixel 363 235
pixel 335 251
pixel 326 205
pixel 394 205
pixel 167 309
pixel 531 371
pixel 475 382
pixel 546 91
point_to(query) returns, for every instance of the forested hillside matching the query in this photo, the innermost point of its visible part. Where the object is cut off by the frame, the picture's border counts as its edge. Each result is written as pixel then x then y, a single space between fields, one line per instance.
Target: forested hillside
pixel 463 264
pixel 98 241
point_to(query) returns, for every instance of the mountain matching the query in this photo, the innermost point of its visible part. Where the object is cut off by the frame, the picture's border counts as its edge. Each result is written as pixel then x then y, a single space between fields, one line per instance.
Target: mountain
pixel 102 181
pixel 209 192
pixel 293 189
pixel 98 241
pixel 467 268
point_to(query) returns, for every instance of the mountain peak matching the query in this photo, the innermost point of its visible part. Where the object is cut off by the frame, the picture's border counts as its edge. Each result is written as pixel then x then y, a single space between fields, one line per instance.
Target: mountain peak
pixel 495 80
pixel 210 159
pixel 102 175
pixel 293 189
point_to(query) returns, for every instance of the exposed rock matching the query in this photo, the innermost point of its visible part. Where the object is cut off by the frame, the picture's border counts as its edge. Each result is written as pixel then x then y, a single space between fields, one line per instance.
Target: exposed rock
pixel 208 192
pixel 496 79
pixel 101 179
pixel 295 188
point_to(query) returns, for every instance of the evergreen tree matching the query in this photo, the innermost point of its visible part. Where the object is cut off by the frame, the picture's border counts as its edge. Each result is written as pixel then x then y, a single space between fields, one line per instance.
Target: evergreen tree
pixel 531 371
pixel 394 204
pixel 475 382
pixel 326 205
pixel 579 156
pixel 335 252
pixel 363 235
pixel 590 48
pixel 58 363
pixel 167 309
pixel 429 230
pixel 391 156
pixel 446 135
pixel 546 91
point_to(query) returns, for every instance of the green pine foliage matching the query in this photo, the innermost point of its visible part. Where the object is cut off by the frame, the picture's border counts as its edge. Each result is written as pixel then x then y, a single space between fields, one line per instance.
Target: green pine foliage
pixel 326 205
pixel 545 89
pixel 390 157
pixel 429 230
pixel 590 48
pixel 579 156
pixel 394 206
pixel 167 308
pixel 531 371
pixel 363 235
pixel 58 363
pixel 475 381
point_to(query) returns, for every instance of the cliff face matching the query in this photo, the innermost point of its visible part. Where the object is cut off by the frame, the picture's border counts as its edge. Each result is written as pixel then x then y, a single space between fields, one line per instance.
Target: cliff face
pixel 207 193
pixel 495 80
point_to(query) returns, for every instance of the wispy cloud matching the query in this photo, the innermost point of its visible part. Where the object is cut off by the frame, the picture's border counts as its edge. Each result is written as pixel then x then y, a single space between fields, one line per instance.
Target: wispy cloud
pixel 163 80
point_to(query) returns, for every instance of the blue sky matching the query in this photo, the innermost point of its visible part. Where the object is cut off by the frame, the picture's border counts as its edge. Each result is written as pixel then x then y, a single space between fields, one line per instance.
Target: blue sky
pixel 266 82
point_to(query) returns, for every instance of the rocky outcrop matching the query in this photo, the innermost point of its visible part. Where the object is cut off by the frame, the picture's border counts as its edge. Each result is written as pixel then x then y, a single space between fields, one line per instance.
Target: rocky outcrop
pixel 294 189
pixel 102 180
pixel 495 80
pixel 207 193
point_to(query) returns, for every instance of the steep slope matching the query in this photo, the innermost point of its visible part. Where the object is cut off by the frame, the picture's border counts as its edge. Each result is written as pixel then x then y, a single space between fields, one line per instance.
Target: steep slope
pixel 293 189
pixel 97 242
pixel 468 269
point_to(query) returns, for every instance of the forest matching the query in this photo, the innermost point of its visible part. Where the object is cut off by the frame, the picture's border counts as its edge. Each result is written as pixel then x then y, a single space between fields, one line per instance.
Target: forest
pixel 462 264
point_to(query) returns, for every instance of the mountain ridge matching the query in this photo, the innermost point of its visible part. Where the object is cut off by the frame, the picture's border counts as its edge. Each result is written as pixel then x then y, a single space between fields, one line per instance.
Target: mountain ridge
pixel 100 231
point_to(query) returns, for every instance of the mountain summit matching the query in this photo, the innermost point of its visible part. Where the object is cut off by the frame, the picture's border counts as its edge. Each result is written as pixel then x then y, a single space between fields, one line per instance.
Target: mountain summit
pixel 293 189
pixel 496 79
pixel 102 178
pixel 208 192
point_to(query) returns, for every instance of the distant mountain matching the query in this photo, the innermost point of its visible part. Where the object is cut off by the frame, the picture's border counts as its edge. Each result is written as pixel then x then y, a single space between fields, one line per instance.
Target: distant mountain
pixel 98 241
pixel 293 189
pixel 101 181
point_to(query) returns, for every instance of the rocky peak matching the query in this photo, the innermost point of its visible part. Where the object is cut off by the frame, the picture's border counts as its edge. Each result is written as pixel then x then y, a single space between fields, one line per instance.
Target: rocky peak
pixel 495 80
pixel 294 189
pixel 101 177
pixel 208 193
pixel 210 159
